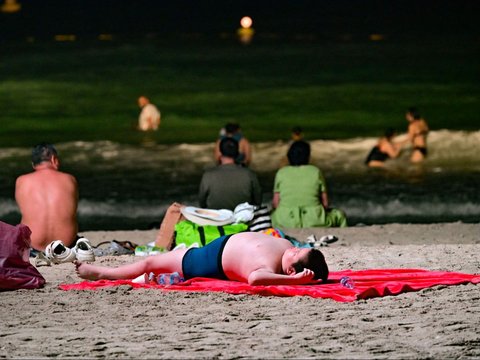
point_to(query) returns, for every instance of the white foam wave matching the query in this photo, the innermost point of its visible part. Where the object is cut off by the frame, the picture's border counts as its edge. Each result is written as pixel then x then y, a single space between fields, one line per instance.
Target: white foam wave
pixel 168 171
pixel 447 150
pixel 361 210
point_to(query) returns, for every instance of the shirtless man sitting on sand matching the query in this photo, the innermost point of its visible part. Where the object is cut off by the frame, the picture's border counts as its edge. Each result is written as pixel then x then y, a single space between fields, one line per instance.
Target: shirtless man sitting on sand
pixel 48 200
pixel 251 257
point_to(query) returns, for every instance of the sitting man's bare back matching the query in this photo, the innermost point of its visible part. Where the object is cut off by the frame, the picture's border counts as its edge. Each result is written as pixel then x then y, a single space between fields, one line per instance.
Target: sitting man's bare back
pixel 48 200
pixel 251 257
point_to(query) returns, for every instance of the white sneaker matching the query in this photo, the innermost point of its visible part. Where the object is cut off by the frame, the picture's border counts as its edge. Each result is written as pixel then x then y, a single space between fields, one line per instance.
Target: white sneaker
pixel 58 253
pixel 84 251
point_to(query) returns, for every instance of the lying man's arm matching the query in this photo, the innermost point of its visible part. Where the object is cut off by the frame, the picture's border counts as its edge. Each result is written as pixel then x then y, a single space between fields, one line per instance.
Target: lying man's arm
pixel 265 277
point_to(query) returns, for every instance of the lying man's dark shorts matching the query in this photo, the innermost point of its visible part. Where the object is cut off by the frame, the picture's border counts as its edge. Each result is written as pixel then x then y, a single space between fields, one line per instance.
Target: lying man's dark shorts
pixel 205 261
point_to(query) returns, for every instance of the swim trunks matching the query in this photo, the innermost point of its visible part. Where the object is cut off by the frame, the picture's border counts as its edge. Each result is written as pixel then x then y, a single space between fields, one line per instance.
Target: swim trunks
pixel 205 261
pixel 422 149
pixel 376 155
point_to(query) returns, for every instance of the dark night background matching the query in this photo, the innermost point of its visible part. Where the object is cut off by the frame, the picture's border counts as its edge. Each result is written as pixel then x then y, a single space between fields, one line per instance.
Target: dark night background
pixel 322 18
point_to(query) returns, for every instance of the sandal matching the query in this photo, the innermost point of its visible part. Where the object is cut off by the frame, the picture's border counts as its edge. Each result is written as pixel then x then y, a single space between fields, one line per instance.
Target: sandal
pixel 324 240
pixel 41 260
pixel 328 239
pixel 84 251
pixel 114 248
pixel 128 245
pixel 58 253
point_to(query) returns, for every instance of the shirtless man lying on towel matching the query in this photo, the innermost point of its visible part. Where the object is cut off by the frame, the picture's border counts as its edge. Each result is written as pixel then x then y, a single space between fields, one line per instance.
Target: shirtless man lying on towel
pixel 251 257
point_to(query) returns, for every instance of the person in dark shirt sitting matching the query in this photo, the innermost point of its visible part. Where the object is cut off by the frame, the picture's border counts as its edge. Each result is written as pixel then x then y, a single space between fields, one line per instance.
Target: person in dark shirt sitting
pixel 229 184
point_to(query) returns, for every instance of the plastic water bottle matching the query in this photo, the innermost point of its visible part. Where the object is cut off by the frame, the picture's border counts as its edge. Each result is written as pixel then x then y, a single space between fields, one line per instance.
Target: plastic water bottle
pixel 347 282
pixel 170 279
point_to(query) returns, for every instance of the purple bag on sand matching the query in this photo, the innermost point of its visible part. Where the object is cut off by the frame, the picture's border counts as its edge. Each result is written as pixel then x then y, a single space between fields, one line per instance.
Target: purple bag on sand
pixel 16 272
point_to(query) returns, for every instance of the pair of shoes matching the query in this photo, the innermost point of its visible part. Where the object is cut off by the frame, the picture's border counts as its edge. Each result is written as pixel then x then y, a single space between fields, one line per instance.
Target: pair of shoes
pixel 324 240
pixel 57 253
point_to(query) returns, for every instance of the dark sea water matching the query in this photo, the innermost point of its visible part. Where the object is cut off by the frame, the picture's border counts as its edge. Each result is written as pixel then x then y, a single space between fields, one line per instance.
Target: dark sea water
pixel 130 187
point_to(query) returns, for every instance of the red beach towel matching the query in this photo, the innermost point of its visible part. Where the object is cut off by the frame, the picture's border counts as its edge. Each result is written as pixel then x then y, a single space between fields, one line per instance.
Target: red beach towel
pixel 368 284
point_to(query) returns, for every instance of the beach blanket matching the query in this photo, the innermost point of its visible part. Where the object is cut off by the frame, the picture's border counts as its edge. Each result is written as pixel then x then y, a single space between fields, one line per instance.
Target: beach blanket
pixel 367 284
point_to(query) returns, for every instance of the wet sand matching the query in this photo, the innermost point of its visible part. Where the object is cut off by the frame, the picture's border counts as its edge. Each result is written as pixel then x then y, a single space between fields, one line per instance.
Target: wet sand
pixel 441 322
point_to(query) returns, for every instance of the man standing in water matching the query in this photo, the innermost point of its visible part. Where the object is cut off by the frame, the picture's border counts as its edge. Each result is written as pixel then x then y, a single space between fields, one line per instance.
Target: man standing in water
pixel 149 118
pixel 417 135
pixel 48 199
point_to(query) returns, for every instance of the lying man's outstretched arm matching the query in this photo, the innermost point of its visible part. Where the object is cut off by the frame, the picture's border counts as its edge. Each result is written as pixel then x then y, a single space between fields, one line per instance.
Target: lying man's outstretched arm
pixel 265 277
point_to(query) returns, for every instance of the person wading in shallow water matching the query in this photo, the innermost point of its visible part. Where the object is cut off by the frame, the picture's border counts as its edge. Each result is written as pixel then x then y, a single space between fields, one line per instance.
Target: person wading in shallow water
pixel 149 118
pixel 417 135
pixel 385 149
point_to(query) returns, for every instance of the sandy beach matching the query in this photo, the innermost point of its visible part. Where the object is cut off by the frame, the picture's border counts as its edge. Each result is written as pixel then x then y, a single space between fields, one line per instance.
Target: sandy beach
pixel 121 322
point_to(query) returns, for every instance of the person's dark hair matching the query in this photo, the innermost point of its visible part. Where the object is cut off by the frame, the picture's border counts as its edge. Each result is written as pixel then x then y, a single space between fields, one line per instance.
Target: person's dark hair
pixel 414 112
pixel 314 261
pixel 229 147
pixel 389 133
pixel 297 130
pixel 43 152
pixel 299 153
pixel 231 128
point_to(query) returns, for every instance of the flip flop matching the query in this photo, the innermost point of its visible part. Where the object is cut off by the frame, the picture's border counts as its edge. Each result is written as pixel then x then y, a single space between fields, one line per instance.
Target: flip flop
pixel 324 240
pixel 328 239
pixel 128 245
pixel 84 251
pixel 58 253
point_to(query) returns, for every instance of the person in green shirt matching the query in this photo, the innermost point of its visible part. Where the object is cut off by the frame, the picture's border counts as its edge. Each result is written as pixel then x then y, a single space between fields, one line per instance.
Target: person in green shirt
pixel 300 194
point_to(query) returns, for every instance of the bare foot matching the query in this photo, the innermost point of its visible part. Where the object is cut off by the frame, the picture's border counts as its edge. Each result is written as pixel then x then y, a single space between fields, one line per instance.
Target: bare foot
pixel 87 271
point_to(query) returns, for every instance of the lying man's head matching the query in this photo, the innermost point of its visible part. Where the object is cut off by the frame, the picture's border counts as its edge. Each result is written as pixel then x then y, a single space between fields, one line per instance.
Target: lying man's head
pixel 313 260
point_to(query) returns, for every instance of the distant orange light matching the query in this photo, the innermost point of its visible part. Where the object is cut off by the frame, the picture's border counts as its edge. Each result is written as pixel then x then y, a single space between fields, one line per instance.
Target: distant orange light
pixel 105 37
pixel 65 37
pixel 376 37
pixel 246 22
pixel 10 6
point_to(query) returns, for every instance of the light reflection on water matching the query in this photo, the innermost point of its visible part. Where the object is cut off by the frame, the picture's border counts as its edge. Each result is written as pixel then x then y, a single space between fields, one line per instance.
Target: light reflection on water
pixel 127 187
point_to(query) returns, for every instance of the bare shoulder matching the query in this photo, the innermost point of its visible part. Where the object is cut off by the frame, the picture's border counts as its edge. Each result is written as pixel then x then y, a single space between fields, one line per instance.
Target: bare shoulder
pixel 23 179
pixel 67 176
pixel 71 179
